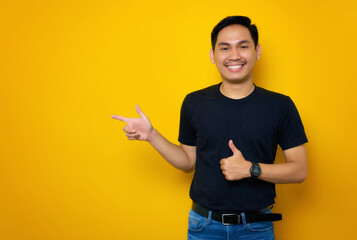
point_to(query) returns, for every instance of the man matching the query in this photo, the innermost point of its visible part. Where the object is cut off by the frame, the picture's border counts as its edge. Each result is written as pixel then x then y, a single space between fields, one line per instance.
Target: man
pixel 229 134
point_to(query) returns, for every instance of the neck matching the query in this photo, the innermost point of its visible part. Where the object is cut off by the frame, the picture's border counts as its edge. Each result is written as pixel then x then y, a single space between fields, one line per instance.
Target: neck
pixel 237 90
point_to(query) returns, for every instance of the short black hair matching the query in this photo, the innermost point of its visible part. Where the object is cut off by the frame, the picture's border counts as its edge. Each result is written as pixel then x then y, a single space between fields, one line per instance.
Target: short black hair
pixel 231 20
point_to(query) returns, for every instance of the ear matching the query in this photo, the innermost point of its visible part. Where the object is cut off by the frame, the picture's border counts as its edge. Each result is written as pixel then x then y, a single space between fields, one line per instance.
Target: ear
pixel 211 55
pixel 258 49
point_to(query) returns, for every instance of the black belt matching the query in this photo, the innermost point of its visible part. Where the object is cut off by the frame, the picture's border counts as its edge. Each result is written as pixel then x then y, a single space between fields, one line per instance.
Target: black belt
pixel 234 218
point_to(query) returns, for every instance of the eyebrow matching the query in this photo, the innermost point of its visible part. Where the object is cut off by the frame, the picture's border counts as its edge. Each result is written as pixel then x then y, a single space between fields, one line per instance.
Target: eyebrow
pixel 240 42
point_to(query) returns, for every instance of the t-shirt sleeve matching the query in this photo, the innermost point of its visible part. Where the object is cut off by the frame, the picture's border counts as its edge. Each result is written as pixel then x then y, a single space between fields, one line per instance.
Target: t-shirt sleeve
pixel 292 131
pixel 187 133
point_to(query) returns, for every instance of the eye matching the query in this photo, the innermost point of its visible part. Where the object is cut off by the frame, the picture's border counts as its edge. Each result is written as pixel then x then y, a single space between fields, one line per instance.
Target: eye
pixel 224 49
pixel 244 47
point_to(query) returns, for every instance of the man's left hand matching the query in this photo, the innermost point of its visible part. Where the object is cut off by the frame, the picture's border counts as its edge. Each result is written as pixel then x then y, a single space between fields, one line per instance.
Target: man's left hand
pixel 235 167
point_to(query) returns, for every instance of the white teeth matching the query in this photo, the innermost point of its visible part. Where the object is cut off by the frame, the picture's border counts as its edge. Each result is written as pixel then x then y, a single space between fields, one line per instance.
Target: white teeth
pixel 235 67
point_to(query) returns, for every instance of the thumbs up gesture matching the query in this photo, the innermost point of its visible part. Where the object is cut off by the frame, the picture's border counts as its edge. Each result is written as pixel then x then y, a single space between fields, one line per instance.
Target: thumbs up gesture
pixel 136 128
pixel 235 167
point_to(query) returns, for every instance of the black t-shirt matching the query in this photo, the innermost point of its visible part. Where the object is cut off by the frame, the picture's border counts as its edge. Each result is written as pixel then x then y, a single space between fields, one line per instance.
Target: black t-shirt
pixel 256 124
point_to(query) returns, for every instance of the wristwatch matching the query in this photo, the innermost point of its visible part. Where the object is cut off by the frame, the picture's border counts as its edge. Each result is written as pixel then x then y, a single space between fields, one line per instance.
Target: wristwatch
pixel 255 171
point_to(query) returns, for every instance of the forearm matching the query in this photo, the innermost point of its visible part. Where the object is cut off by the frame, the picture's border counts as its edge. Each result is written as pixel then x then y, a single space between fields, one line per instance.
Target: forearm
pixel 173 153
pixel 289 172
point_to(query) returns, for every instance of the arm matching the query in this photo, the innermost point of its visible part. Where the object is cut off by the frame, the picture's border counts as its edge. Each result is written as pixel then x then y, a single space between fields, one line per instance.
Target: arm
pixel 182 157
pixel 294 169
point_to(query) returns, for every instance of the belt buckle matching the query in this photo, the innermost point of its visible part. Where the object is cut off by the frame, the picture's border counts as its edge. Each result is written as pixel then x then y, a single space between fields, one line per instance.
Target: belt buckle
pixel 230 215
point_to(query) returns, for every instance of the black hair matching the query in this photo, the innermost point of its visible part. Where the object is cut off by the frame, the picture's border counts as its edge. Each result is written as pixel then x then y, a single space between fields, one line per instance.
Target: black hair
pixel 231 20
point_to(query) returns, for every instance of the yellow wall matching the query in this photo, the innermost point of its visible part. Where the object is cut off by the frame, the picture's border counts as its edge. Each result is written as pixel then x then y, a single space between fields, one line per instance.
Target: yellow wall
pixel 68 172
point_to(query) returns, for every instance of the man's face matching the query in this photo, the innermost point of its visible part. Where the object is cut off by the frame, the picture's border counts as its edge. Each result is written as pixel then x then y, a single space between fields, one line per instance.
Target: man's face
pixel 235 54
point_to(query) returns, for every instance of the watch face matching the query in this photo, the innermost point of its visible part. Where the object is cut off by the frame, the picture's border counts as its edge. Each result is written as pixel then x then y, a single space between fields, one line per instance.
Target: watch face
pixel 255 170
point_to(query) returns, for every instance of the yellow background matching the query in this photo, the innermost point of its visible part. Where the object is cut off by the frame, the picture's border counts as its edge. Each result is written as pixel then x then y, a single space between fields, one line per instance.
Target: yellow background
pixel 68 172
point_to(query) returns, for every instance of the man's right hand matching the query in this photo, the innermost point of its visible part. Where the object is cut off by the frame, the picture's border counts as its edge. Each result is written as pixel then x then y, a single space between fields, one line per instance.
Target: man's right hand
pixel 136 128
pixel 182 157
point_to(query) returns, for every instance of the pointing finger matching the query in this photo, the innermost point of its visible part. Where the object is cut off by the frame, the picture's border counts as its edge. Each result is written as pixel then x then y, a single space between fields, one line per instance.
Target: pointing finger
pixel 120 118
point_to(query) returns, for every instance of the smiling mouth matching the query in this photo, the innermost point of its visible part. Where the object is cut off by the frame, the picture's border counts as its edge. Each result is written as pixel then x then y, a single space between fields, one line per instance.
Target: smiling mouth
pixel 235 68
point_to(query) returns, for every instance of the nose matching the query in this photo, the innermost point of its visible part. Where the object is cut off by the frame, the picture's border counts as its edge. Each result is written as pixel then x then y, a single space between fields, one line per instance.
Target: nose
pixel 235 54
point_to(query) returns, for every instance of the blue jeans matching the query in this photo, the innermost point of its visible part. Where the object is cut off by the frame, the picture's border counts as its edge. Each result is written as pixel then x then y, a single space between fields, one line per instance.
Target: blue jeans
pixel 202 228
